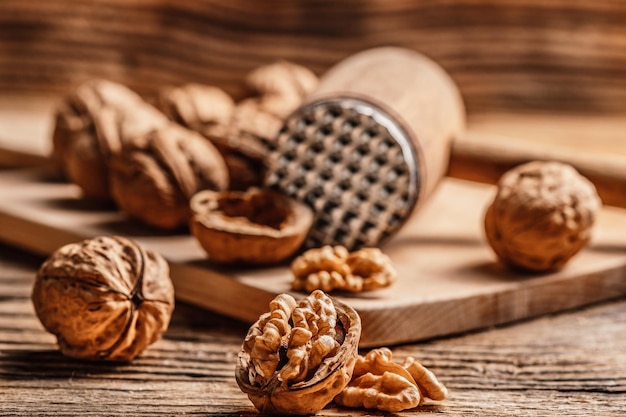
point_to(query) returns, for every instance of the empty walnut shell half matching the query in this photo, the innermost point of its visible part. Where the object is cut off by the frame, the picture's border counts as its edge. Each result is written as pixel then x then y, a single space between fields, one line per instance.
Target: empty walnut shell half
pixel 298 356
pixel 254 226
pixel 104 298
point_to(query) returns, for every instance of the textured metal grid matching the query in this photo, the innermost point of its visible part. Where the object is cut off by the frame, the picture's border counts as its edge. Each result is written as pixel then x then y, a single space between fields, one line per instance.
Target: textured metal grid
pixel 352 164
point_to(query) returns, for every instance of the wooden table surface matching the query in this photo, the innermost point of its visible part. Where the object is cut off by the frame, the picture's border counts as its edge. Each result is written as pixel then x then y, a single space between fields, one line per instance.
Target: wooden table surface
pixel 568 364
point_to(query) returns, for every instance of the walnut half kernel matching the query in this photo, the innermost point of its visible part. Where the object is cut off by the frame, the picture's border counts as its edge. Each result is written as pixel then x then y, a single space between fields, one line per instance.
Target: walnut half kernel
pixel 104 298
pixel 332 268
pixel 254 226
pixel 379 383
pixel 298 356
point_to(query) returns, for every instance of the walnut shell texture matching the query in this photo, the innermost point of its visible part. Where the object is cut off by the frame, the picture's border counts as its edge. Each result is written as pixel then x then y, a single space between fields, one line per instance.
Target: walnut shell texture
pixel 542 215
pixel 105 298
pixel 254 226
pixel 209 111
pixel 155 175
pixel 297 357
pixel 90 124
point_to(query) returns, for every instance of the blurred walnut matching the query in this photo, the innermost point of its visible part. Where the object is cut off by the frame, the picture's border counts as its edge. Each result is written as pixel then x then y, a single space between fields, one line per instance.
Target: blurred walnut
pixel 91 124
pixel 333 268
pixel 154 176
pixel 281 86
pixel 196 106
pixel 254 226
pixel 542 215
pixel 104 298
pixel 379 383
pixel 298 356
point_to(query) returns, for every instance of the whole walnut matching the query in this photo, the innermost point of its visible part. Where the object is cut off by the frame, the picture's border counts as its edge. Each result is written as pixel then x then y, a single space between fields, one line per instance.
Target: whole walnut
pixel 154 176
pixel 104 298
pixel 298 356
pixel 281 86
pixel 542 215
pixel 210 111
pixel 90 125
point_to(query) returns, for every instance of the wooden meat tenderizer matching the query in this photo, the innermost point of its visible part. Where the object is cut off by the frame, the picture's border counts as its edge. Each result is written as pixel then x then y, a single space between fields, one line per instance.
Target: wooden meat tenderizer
pixel 369 146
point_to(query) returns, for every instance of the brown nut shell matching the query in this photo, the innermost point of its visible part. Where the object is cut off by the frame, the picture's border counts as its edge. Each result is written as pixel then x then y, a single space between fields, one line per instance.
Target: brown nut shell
pixel 254 226
pixel 541 216
pixel 154 176
pixel 104 298
pixel 90 124
pixel 285 373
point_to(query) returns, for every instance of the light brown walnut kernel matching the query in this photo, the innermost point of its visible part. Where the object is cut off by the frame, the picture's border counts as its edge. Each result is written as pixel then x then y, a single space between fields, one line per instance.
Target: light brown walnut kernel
pixel 379 383
pixel 297 357
pixel 105 298
pixel 542 215
pixel 332 268
pixel 254 227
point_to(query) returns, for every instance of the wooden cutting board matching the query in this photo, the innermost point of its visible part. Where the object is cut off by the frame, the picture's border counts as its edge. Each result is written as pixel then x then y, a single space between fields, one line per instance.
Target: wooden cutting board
pixel 449 280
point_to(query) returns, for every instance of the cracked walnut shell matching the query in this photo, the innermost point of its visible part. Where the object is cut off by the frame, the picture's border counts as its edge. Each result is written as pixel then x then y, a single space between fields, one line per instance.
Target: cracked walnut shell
pixel 334 268
pixel 254 226
pixel 104 298
pixel 541 216
pixel 297 357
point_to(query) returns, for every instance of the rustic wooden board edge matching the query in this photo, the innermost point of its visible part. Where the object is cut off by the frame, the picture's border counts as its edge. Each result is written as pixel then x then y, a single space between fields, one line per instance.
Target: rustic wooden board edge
pixel 384 322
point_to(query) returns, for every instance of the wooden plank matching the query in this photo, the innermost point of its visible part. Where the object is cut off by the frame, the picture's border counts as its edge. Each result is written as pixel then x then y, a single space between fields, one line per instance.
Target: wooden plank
pixel 449 280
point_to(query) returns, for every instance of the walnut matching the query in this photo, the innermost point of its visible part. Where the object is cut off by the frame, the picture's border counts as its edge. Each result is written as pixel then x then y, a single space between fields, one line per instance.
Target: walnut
pixel 211 112
pixel 333 268
pixel 90 125
pixel 196 106
pixel 282 86
pixel 254 226
pixel 541 216
pixel 155 175
pixel 379 383
pixel 104 298
pixel 299 355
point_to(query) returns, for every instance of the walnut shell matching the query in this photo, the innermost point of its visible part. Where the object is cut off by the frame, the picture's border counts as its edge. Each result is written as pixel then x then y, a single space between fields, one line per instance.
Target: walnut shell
pixel 210 111
pixel 254 226
pixel 541 216
pixel 297 357
pixel 282 86
pixel 90 125
pixel 154 176
pixel 104 298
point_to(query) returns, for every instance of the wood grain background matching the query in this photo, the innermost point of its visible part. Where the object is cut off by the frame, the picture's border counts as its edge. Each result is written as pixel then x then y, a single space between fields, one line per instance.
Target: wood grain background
pixel 556 55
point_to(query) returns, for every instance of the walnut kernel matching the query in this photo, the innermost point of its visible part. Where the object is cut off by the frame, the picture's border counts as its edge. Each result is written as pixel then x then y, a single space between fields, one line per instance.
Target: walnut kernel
pixel 379 383
pixel 541 216
pixel 297 357
pixel 104 298
pixel 254 226
pixel 334 268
